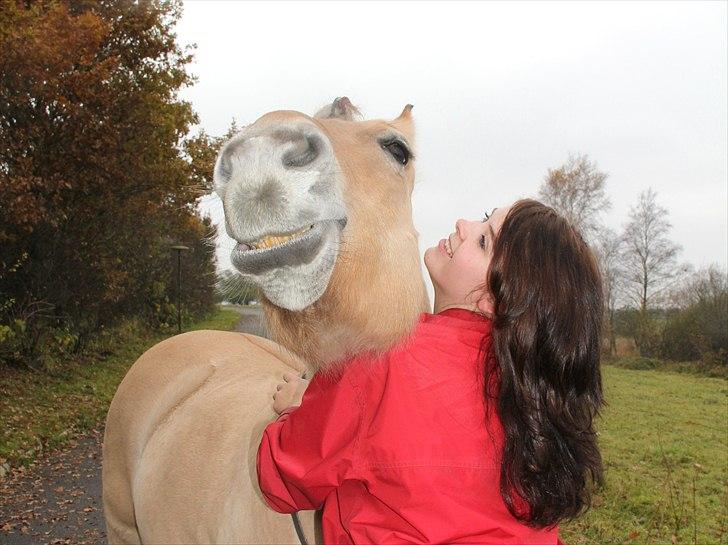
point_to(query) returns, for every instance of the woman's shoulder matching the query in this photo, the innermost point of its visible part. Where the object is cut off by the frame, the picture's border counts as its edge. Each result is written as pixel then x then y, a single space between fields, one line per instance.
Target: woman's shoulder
pixel 455 330
pixel 452 335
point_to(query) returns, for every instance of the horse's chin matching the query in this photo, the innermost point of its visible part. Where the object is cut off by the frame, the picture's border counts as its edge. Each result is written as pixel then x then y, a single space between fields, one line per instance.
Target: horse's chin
pixel 296 274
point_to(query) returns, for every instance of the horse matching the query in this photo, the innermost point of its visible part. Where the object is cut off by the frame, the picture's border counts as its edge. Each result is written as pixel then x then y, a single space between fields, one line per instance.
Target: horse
pixel 320 211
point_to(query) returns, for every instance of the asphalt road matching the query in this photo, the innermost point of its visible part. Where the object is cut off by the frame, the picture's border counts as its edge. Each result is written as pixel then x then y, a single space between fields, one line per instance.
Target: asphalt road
pixel 58 499
pixel 252 320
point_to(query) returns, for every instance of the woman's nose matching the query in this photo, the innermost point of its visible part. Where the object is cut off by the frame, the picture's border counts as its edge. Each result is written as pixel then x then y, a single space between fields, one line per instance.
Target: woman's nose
pixel 461 227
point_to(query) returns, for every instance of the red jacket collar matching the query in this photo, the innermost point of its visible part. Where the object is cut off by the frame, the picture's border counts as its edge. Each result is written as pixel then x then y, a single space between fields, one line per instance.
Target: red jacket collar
pixel 462 314
pixel 461 318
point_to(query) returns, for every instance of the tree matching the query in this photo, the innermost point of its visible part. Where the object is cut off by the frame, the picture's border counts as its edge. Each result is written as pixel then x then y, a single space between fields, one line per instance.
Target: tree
pixel 576 191
pixel 201 151
pixel 608 248
pixel 94 178
pixel 649 266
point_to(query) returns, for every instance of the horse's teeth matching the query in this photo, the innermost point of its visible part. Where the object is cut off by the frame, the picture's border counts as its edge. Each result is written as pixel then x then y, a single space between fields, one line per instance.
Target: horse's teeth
pixel 271 240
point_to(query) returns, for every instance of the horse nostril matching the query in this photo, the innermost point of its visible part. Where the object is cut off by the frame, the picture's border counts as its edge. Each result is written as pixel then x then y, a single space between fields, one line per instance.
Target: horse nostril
pixel 305 152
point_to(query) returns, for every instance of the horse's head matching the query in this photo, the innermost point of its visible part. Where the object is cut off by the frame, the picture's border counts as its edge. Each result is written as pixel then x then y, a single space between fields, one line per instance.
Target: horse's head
pixel 321 210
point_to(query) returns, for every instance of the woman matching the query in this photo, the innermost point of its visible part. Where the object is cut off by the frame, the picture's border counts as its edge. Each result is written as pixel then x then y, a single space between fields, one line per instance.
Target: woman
pixel 478 428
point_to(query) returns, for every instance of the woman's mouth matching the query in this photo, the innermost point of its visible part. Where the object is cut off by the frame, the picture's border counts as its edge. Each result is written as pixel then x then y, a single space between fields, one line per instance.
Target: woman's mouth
pixel 444 245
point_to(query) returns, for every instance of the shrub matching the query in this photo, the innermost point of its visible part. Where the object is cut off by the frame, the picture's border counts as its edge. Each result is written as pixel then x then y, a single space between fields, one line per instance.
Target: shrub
pixel 699 330
pixel 648 335
pixel 639 363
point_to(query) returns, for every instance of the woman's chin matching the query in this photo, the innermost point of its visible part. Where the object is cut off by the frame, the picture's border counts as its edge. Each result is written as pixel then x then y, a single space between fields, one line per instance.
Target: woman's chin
pixel 434 260
pixel 427 258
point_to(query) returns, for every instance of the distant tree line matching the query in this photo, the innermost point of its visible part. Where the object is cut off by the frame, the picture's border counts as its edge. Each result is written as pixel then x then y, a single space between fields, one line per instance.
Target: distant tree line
pixel 670 310
pixel 98 177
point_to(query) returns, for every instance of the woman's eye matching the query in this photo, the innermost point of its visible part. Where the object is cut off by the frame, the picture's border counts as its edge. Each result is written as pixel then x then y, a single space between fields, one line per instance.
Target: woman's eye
pixel 482 241
pixel 397 150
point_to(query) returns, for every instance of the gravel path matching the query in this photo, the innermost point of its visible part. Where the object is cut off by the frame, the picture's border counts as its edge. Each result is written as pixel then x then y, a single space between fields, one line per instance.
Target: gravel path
pixel 57 500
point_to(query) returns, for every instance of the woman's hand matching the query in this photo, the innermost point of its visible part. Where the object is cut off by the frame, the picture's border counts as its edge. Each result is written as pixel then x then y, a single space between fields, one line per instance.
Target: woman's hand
pixel 289 392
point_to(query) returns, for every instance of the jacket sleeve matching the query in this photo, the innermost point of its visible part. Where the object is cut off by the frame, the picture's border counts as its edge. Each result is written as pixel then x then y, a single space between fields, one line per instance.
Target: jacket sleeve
pixel 307 452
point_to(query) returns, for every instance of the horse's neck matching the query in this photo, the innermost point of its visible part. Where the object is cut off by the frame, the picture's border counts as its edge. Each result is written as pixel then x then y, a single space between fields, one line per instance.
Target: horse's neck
pixel 375 297
pixel 325 334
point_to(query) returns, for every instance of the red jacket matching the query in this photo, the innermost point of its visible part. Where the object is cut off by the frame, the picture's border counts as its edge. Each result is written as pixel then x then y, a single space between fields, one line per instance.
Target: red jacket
pixel 395 448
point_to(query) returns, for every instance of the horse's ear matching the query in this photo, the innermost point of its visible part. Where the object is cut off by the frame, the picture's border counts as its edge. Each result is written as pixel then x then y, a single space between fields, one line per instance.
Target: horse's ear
pixel 405 123
pixel 340 108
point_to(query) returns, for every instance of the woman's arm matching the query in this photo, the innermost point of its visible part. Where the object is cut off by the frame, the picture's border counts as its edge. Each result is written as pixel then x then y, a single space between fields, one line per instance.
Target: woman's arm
pixel 308 451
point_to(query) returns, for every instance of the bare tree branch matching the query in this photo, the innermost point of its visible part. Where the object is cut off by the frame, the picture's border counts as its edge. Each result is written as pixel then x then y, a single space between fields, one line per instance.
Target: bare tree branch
pixel 609 248
pixel 649 267
pixel 576 191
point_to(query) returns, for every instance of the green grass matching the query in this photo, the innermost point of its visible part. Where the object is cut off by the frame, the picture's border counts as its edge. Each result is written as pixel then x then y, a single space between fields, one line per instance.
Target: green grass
pixel 664 441
pixel 223 319
pixel 42 411
pixel 662 436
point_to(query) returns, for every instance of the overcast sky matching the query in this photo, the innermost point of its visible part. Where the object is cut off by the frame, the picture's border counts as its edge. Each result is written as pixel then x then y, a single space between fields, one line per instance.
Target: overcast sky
pixel 502 92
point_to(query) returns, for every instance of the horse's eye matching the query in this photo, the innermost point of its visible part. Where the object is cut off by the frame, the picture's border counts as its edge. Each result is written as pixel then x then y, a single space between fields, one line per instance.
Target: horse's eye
pixel 397 150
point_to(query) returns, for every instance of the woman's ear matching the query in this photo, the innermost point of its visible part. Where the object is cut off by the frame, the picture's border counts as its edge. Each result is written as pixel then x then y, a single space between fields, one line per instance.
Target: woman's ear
pixel 486 305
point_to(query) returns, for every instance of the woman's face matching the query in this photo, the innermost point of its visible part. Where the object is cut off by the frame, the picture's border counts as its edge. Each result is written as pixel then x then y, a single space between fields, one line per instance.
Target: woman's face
pixel 459 264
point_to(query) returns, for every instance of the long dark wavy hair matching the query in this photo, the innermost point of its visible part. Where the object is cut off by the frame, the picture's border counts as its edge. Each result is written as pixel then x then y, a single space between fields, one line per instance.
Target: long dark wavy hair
pixel 546 339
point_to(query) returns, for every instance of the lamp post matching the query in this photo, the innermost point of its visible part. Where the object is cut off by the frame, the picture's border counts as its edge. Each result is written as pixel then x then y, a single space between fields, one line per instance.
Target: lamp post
pixel 179 250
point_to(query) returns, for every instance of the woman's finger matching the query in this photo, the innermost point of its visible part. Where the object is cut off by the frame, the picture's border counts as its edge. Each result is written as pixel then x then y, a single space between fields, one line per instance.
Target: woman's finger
pixel 279 386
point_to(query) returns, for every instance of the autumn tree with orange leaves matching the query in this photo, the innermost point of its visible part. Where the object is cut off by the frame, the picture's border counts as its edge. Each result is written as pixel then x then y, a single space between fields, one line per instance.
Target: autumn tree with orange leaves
pixel 97 175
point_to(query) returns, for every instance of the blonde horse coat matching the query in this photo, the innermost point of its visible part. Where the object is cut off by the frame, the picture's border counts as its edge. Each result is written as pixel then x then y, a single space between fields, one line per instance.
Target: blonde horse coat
pixel 184 426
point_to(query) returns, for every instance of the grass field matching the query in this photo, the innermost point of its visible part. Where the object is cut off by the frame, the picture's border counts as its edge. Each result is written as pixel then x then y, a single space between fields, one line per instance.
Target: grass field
pixel 664 440
pixel 663 436
pixel 42 411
